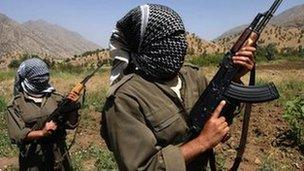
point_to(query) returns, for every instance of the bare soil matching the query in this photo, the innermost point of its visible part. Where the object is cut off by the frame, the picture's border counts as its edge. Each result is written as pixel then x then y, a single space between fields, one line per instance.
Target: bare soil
pixel 267 142
pixel 8 162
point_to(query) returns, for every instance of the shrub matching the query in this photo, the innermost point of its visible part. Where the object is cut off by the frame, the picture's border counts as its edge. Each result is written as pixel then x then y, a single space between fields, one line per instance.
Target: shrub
pixel 16 62
pixel 294 114
pixel 268 164
pixel 206 59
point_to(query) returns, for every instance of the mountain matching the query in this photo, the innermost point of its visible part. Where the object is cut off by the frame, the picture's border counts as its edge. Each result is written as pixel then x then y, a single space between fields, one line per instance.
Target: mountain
pixel 14 38
pixel 293 17
pixel 286 30
pixel 65 42
pixel 198 46
pixel 282 37
pixel 231 33
pixel 41 38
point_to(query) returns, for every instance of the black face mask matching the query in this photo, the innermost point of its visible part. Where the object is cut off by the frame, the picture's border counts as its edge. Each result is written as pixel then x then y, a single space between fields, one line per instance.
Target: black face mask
pixel 156 38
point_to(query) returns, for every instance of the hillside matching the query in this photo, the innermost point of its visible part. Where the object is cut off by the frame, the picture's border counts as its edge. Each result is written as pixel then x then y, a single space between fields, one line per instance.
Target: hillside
pixel 65 42
pixel 90 58
pixel 282 37
pixel 286 30
pixel 198 46
pixel 39 37
pixel 293 17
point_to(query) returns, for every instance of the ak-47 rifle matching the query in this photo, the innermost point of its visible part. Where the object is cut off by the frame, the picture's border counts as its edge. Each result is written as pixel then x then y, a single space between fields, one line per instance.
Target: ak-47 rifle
pixel 67 104
pixel 222 86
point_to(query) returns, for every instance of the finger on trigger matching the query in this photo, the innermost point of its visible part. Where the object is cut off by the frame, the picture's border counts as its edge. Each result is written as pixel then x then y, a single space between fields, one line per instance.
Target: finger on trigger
pixel 219 109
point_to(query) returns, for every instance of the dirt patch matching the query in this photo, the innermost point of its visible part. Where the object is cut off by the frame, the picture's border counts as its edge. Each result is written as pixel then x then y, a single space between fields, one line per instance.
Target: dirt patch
pixel 8 162
pixel 282 66
pixel 264 146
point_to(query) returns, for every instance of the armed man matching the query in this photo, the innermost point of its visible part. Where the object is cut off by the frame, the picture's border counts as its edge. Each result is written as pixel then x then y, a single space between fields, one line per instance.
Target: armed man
pixel 145 121
pixel 34 100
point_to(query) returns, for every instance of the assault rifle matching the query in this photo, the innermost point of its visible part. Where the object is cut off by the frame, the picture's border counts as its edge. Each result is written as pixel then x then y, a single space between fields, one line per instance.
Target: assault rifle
pixel 222 86
pixel 67 104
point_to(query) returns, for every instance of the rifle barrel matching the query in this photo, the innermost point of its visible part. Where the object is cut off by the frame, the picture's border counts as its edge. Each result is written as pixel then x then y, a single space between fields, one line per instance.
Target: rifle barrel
pixel 86 79
pixel 268 15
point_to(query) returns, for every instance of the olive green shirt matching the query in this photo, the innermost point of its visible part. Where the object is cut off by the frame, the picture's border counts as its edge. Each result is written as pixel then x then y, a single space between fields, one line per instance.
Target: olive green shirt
pixel 45 153
pixel 144 123
pixel 24 113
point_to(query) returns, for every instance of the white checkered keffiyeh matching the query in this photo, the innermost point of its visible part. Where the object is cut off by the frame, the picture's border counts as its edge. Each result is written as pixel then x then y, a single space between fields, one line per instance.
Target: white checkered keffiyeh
pixel 152 37
pixel 33 77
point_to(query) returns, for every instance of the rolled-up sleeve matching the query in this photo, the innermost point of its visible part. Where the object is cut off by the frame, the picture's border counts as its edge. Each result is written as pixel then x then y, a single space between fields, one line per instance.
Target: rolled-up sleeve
pixel 17 130
pixel 134 145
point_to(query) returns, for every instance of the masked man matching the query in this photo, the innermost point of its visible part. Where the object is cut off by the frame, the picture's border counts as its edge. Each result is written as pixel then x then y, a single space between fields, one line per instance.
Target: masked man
pixel 34 100
pixel 145 120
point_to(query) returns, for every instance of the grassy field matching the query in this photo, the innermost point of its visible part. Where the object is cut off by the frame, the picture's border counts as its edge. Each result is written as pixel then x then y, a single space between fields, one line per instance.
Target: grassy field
pixel 90 152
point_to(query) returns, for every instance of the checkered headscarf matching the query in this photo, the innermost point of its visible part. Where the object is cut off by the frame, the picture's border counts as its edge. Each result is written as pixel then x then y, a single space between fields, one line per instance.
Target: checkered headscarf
pixel 33 77
pixel 154 37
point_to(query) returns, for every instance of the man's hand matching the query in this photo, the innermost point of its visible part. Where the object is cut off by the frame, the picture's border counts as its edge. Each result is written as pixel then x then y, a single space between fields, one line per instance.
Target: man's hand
pixel 215 129
pixel 48 128
pixel 73 96
pixel 244 58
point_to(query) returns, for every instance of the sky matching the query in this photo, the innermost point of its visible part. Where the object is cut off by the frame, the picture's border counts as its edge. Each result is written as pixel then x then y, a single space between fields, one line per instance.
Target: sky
pixel 95 19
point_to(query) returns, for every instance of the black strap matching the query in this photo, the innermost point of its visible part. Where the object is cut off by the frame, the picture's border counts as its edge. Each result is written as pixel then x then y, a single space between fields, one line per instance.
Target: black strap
pixel 75 133
pixel 245 127
pixel 243 140
pixel 212 162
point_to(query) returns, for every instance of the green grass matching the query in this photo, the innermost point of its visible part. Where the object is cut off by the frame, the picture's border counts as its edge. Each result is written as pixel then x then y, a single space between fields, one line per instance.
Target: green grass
pixel 269 163
pixel 206 60
pixel 95 99
pixel 6 148
pixel 8 74
pixel 215 59
pixel 290 89
pixel 103 159
pixel 294 115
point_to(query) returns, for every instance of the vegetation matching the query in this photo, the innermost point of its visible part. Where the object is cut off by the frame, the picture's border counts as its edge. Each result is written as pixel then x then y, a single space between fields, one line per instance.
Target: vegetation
pixel 61 66
pixel 16 62
pixel 269 164
pixel 90 53
pixel 206 59
pixel 267 53
pixel 6 148
pixel 294 114
pixel 104 160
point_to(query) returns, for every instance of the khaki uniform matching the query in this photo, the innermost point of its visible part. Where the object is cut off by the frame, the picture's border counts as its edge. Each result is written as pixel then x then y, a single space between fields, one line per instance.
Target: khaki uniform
pixel 144 123
pixel 45 153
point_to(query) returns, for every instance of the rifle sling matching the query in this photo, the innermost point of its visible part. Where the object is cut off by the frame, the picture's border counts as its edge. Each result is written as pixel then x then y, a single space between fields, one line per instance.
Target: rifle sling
pixel 75 133
pixel 245 127
pixel 243 139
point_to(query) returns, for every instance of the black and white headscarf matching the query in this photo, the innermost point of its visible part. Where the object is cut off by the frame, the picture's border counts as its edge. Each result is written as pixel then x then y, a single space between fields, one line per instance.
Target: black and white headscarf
pixel 33 77
pixel 152 37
